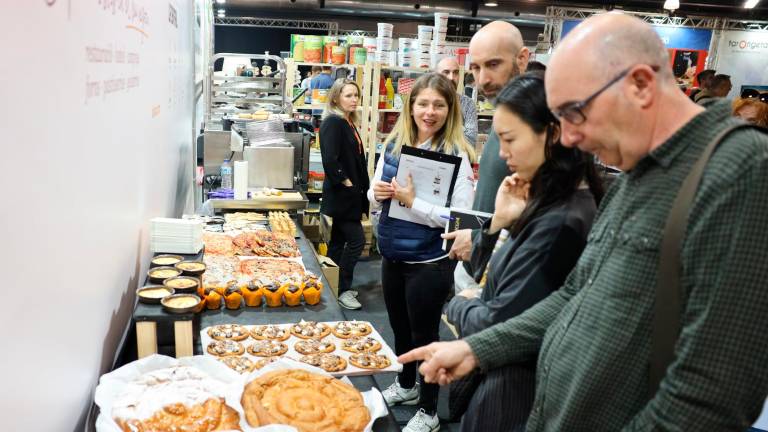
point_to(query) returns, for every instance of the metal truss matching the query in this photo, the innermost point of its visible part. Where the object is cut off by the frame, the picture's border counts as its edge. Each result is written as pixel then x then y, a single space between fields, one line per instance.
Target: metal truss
pixel 330 26
pixel 449 38
pixel 746 25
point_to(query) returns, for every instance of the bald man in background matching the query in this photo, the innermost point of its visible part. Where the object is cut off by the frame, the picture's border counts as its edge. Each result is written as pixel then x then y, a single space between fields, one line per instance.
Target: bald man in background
pixel 449 68
pixel 610 84
pixel 497 55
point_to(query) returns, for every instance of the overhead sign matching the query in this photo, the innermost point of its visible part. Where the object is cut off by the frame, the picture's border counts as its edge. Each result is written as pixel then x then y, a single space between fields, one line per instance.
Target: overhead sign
pixel 673 37
pixel 744 56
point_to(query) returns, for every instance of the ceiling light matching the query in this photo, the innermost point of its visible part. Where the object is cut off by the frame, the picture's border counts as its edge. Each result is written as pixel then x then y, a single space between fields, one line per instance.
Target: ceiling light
pixel 221 1
pixel 221 12
pixel 672 5
pixel 491 4
pixel 749 4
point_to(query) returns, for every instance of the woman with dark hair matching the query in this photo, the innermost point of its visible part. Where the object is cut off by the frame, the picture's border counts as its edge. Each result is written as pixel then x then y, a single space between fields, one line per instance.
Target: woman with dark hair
pixel 547 208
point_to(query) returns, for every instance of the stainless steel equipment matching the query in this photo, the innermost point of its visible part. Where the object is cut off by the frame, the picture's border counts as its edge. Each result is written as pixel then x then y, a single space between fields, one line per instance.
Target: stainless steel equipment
pixel 270 166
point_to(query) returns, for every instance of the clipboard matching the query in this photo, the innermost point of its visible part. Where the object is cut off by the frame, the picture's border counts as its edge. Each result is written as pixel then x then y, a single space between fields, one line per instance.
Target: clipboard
pixel 434 175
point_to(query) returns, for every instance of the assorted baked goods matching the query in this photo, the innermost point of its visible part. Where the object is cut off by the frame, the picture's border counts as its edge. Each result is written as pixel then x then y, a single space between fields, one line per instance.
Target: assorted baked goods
pixel 159 274
pixel 174 399
pixel 182 283
pixel 310 330
pixel 360 344
pixel 327 362
pixel 229 331
pixel 281 222
pixel 225 348
pixel 267 348
pixel 270 332
pixel 308 401
pixel 166 260
pixel 348 329
pixel 238 364
pixel 314 346
pixel 251 243
pixel 369 361
pixel 152 294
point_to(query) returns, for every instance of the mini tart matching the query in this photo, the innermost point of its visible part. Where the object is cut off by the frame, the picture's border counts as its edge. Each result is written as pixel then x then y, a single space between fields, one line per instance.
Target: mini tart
pixel 267 348
pixel 270 332
pixel 310 330
pixel 225 348
pixel 361 345
pixel 260 363
pixel 228 331
pixel 369 361
pixel 348 329
pixel 238 364
pixel 314 346
pixel 327 362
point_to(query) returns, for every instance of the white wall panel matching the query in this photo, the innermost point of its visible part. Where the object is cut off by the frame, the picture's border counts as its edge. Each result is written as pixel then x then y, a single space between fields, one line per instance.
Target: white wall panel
pixel 91 150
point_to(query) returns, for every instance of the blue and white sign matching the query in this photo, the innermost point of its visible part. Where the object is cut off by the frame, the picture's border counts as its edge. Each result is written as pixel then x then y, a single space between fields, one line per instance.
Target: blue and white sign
pixel 673 37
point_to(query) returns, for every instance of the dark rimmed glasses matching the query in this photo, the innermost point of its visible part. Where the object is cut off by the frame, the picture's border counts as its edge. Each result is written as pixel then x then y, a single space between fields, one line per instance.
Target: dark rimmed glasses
pixel 573 112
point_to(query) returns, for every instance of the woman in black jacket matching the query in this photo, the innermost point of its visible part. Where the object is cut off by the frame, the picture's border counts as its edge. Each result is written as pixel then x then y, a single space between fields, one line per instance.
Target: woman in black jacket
pixel 547 207
pixel 345 184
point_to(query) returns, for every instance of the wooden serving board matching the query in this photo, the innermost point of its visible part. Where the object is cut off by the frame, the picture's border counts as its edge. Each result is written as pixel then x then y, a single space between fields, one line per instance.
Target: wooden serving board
pixel 293 354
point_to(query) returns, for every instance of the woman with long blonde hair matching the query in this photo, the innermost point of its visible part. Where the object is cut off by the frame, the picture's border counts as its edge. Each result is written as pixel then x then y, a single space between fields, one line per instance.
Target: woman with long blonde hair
pixel 416 272
pixel 345 184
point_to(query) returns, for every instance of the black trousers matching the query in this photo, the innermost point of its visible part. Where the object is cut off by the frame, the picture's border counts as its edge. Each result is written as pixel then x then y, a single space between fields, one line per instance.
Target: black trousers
pixel 347 242
pixel 414 295
pixel 502 401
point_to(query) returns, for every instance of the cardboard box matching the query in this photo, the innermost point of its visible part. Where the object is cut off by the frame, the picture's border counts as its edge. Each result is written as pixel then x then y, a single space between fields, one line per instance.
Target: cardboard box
pixel 331 273
pixel 310 224
pixel 325 228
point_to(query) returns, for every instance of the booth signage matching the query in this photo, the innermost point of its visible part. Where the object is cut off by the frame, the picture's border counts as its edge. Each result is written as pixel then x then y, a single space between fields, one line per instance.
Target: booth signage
pixel 744 56
pixel 673 37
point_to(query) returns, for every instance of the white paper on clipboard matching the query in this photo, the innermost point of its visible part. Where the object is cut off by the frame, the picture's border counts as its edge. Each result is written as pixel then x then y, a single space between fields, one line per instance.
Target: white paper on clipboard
pixel 434 175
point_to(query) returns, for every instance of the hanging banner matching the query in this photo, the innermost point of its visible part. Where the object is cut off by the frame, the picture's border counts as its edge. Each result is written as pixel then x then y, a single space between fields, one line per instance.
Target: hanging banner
pixel 673 37
pixel 744 56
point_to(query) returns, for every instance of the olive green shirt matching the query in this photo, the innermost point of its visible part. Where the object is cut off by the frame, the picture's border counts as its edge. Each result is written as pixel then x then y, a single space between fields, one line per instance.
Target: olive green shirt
pixel 492 171
pixel 593 336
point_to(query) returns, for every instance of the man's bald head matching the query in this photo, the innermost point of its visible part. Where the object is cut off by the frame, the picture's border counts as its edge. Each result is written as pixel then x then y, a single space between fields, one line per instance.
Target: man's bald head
pixel 611 84
pixel 449 68
pixel 497 55
pixel 608 43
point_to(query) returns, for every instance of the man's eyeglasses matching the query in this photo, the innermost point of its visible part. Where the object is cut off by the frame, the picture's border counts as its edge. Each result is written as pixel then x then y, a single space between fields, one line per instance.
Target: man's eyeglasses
pixel 573 112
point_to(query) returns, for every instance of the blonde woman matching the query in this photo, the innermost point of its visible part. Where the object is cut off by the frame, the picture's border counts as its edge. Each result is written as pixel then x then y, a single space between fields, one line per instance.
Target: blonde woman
pixel 345 184
pixel 416 272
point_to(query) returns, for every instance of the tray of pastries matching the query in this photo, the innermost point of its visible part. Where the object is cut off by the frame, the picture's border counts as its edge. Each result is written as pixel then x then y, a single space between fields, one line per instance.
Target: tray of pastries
pixel 251 243
pixel 338 347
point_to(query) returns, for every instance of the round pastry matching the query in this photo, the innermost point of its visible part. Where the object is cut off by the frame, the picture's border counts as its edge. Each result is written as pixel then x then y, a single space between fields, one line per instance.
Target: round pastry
pixel 361 345
pixel 347 329
pixel 228 331
pixel 310 330
pixel 267 348
pixel 270 332
pixel 260 363
pixel 304 400
pixel 314 346
pixel 328 362
pixel 238 364
pixel 225 348
pixel 369 361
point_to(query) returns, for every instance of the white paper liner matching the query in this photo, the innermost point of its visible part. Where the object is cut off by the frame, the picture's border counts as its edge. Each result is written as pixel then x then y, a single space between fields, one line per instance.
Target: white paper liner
pixel 113 384
pixel 372 398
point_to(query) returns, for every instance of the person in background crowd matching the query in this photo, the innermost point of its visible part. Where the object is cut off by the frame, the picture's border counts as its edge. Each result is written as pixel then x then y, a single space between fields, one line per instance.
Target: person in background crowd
pixel 751 110
pixel 345 185
pixel 305 84
pixel 319 86
pixel 548 205
pixel 497 55
pixel 704 79
pixel 718 88
pixel 610 84
pixel 449 68
pixel 536 66
pixel 415 270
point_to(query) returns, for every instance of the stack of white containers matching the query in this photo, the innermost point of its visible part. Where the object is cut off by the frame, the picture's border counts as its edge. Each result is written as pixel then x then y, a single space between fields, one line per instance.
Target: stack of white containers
pixel 369 43
pixel 422 56
pixel 384 53
pixel 406 51
pixel 179 236
pixel 437 48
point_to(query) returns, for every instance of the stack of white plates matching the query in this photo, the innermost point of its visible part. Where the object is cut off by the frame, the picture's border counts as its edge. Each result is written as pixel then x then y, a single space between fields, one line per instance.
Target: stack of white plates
pixel 180 236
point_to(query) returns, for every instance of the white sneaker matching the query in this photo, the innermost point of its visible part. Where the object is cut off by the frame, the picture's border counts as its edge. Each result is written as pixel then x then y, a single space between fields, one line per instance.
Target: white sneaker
pixel 354 293
pixel 396 395
pixel 423 422
pixel 347 300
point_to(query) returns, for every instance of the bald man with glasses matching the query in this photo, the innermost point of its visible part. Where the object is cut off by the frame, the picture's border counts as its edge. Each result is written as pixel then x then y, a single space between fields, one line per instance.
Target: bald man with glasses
pixel 596 340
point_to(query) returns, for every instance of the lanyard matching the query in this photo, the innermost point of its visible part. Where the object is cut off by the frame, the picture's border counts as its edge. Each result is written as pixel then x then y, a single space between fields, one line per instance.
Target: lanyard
pixel 357 136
